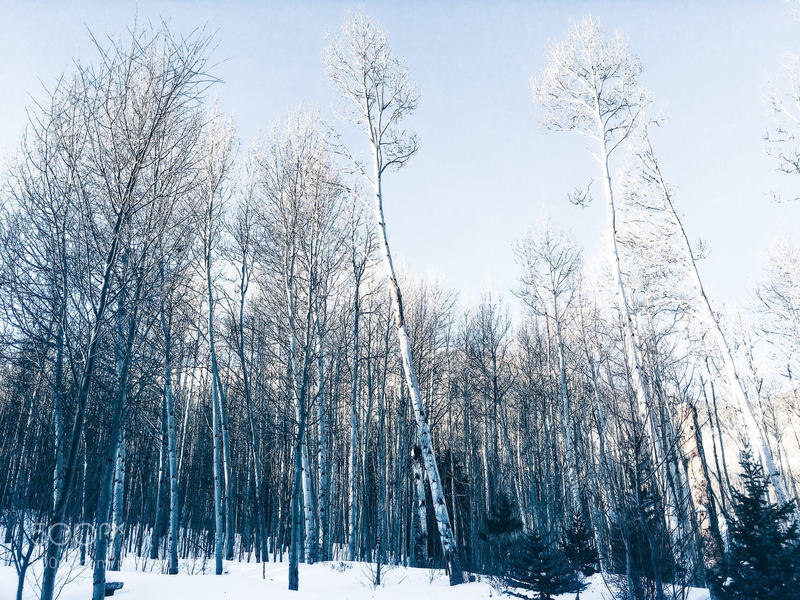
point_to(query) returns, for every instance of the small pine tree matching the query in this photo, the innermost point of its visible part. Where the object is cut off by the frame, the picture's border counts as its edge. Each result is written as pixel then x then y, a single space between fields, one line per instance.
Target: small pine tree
pixel 534 565
pixel 502 517
pixel 763 562
pixel 578 546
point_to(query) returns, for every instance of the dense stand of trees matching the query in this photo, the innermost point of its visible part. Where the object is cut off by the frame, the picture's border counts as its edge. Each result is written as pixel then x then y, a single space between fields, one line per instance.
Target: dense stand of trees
pixel 208 352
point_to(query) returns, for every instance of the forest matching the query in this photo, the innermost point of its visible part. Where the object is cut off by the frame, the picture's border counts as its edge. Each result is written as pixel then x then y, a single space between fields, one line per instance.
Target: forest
pixel 209 352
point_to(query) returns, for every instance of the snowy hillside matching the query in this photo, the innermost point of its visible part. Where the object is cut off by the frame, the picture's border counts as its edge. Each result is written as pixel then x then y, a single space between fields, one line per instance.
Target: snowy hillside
pixel 245 581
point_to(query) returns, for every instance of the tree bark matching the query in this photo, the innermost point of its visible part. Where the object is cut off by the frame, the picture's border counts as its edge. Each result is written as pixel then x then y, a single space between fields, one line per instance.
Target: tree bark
pixel 420 509
pixel 449 549
pixel 700 487
pixel 169 409
pixel 117 505
pixel 351 463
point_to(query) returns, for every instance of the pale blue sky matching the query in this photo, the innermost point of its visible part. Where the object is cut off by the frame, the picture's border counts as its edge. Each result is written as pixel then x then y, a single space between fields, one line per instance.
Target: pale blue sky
pixel 485 172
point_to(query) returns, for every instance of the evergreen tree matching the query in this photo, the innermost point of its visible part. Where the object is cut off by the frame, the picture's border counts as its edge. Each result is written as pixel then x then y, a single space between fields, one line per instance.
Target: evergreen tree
pixel 502 517
pixel 533 564
pixel 578 545
pixel 763 562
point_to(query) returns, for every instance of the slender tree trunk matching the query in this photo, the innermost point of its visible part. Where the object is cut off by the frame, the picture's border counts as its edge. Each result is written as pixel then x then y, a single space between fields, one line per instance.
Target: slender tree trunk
pixel 124 351
pixel 572 465
pixel 221 468
pixel 297 519
pixel 22 568
pixel 322 450
pixel 298 390
pixel 217 442
pixel 248 396
pixel 226 470
pixel 604 457
pixel 632 354
pixel 757 436
pixel 58 412
pixel 308 508
pixel 449 549
pixel 351 464
pixel 169 409
pixel 56 525
pixel 161 483
pixel 382 534
pixel 84 533
pixel 630 335
pixel 117 505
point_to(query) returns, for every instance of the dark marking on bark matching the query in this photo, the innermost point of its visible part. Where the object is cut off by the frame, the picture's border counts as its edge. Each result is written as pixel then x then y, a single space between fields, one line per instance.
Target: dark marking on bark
pixel 399 297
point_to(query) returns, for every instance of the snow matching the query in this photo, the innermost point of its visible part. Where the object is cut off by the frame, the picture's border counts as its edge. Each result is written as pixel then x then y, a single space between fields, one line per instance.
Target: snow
pixel 243 581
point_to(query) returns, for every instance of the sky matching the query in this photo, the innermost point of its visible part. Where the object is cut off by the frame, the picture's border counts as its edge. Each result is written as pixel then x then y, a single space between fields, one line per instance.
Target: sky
pixel 486 172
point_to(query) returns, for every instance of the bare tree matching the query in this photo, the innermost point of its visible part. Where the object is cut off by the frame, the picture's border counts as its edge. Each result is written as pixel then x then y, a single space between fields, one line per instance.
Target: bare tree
pixel 114 113
pixel 651 172
pixel 375 84
pixel 550 266
pixel 784 100
pixel 301 191
pixel 216 149
pixel 591 87
pixel 779 300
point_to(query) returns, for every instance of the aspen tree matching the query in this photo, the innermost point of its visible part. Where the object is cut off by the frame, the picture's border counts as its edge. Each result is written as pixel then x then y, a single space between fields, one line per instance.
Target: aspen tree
pixel 360 64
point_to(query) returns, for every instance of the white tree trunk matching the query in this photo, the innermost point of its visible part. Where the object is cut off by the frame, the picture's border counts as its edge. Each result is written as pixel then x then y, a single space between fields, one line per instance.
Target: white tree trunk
pixel 631 342
pixel 297 520
pixel 217 405
pixel 757 437
pixel 572 467
pixel 322 453
pixel 58 413
pixel 299 388
pixel 172 532
pixel 449 549
pixel 308 507
pixel 248 396
pixel 421 531
pixel 217 442
pixel 116 507
pixel 632 355
pixel 351 463
pixel 226 468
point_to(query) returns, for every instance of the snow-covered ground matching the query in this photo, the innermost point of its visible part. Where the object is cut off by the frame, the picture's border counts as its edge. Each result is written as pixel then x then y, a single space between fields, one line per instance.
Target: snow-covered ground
pixel 246 581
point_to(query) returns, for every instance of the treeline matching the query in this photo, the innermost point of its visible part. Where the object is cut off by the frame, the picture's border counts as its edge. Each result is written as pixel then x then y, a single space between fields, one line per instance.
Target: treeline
pixel 207 350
